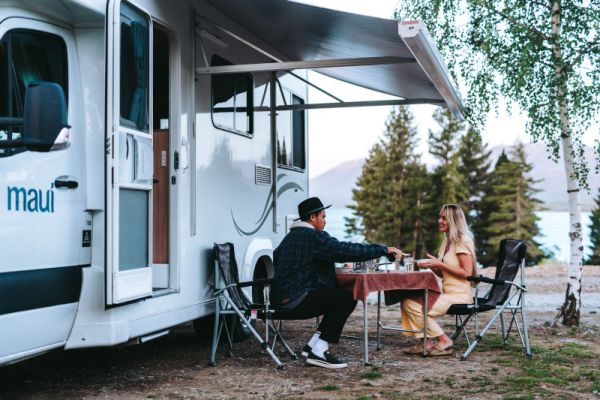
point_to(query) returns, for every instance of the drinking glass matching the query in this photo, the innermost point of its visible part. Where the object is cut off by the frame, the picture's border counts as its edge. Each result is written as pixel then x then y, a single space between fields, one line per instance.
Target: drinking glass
pixel 409 264
pixel 371 265
pixel 359 266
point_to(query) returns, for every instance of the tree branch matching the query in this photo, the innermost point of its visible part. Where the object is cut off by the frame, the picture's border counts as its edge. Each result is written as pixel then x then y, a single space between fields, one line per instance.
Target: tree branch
pixel 541 4
pixel 583 52
pixel 513 20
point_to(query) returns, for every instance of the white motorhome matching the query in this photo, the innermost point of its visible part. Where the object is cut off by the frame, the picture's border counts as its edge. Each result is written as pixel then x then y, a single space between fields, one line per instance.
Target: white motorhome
pixel 135 134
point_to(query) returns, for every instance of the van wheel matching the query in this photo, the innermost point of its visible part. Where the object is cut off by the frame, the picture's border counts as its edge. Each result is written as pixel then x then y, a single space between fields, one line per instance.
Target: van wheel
pixel 204 328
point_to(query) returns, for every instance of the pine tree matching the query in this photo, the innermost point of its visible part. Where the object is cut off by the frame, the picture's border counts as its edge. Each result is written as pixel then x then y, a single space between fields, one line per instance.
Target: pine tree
pixel 391 188
pixel 594 258
pixel 447 181
pixel 512 204
pixel 474 166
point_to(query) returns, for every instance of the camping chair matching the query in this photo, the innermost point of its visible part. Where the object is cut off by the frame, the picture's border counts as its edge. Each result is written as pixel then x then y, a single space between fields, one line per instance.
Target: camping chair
pixel 230 301
pixel 504 294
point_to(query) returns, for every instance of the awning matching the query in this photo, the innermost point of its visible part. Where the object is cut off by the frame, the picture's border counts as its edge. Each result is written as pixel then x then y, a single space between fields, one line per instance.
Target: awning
pixel 396 58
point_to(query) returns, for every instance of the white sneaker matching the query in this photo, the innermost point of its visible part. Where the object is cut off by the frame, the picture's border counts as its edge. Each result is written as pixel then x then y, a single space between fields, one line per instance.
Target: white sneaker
pixel 327 361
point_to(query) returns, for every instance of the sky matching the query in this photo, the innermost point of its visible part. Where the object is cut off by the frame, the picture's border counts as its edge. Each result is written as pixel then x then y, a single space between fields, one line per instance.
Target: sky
pixel 339 135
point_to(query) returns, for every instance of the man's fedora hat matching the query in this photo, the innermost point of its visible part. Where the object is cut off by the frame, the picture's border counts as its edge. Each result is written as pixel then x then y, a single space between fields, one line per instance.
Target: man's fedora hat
pixel 310 206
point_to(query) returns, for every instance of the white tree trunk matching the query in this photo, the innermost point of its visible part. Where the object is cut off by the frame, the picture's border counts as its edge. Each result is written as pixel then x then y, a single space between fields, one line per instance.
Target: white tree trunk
pixel 570 310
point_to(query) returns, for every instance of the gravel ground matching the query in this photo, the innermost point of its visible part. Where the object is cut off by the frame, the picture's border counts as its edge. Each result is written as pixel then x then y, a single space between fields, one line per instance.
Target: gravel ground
pixel 176 366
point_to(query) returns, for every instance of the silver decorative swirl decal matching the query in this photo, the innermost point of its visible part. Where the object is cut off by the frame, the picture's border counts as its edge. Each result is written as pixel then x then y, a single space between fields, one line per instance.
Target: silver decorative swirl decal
pixel 268 207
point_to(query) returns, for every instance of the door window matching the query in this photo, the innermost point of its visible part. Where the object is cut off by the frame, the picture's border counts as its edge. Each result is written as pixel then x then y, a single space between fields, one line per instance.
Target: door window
pixel 26 56
pixel 135 74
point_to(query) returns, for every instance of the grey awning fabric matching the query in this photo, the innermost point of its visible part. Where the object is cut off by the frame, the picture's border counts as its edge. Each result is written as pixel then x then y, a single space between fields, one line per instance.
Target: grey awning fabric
pixel 299 32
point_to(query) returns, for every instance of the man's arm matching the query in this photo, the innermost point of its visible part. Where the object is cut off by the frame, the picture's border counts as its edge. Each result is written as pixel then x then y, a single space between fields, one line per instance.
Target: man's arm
pixel 332 250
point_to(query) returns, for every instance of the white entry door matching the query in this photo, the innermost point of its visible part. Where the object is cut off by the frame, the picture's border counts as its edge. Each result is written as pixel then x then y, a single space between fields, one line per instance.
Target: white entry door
pixel 130 159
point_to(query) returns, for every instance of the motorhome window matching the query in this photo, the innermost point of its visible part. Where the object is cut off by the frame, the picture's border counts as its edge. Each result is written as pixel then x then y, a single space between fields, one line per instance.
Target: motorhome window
pixel 135 68
pixel 298 135
pixel 290 133
pixel 27 56
pixel 232 100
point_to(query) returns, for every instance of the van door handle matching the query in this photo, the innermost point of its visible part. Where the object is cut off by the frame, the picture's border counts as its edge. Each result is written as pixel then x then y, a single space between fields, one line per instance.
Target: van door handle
pixel 59 183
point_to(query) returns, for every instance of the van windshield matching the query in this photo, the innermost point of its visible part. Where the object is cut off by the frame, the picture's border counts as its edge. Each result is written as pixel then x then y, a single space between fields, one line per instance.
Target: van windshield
pixel 26 56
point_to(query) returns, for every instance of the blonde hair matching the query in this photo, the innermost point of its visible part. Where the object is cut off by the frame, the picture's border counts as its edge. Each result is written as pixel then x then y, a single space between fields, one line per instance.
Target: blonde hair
pixel 458 232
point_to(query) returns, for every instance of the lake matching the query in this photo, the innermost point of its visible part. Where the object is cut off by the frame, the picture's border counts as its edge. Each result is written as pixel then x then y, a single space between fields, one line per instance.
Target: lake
pixel 553 225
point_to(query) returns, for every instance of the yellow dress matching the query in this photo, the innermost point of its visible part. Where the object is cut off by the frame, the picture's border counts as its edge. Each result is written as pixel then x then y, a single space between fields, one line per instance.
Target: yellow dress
pixel 455 290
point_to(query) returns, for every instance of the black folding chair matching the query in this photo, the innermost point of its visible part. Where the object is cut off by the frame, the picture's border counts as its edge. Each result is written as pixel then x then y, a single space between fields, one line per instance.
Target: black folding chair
pixel 231 303
pixel 504 295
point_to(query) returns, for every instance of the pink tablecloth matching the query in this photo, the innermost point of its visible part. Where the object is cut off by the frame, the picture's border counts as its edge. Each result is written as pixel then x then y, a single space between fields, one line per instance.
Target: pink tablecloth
pixel 396 285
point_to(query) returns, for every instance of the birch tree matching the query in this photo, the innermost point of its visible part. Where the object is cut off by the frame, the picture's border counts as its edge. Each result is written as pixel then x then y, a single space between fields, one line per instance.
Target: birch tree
pixel 544 56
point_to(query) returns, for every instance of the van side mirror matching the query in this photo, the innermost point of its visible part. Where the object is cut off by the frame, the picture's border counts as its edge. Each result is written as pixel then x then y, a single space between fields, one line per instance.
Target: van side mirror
pixel 45 116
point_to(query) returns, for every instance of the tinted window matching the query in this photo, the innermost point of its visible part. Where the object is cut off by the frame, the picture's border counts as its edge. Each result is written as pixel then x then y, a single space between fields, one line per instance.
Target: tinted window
pixel 298 133
pixel 27 56
pixel 290 133
pixel 134 69
pixel 232 99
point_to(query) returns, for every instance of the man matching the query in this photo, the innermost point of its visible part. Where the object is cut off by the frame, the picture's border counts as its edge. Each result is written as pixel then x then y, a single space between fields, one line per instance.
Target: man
pixel 304 279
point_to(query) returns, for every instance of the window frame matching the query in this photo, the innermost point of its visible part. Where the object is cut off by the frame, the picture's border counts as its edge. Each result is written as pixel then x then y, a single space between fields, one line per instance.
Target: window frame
pixel 249 99
pixel 291 121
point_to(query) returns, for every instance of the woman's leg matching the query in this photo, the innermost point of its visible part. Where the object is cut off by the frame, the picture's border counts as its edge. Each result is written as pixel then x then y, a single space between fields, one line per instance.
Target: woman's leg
pixel 412 318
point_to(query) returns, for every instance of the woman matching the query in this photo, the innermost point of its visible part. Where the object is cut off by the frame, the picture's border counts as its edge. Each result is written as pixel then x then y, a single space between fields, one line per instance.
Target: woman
pixel 455 262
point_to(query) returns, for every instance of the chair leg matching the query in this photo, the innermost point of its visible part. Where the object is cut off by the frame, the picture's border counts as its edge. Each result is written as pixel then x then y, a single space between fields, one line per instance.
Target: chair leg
pixel 263 344
pixel 462 327
pixel 504 333
pixel 278 336
pixel 525 330
pixel 216 334
pixel 229 332
pixel 457 327
pixel 466 336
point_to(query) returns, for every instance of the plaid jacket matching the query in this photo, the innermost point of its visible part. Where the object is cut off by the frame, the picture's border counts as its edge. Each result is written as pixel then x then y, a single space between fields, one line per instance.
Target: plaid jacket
pixel 305 260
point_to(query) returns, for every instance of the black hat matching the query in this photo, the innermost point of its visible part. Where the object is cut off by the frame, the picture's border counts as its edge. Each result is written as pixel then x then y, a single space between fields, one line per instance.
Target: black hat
pixel 310 206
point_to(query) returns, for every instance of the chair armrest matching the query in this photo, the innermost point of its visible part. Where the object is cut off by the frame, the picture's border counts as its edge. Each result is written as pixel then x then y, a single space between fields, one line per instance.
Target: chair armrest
pixel 481 278
pixel 256 282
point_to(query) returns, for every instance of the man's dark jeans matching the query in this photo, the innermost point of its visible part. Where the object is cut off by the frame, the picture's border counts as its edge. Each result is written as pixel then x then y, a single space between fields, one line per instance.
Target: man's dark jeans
pixel 334 304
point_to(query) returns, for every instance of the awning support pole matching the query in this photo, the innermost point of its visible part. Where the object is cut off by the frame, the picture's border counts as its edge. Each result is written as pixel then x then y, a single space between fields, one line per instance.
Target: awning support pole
pixel 273 120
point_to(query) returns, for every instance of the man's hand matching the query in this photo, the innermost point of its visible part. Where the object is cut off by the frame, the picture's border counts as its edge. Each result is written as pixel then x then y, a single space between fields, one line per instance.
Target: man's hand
pixel 397 253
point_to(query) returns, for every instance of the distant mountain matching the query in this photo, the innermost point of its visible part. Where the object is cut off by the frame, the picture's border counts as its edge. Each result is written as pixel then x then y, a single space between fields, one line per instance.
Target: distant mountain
pixel 335 185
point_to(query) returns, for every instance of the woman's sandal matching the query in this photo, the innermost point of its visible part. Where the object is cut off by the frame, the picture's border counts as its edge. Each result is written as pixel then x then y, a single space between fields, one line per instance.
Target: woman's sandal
pixel 417 349
pixel 438 351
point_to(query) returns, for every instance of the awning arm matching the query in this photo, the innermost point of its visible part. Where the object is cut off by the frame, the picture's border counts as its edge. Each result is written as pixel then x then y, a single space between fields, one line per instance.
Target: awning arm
pixel 312 64
pixel 347 104
pixel 320 89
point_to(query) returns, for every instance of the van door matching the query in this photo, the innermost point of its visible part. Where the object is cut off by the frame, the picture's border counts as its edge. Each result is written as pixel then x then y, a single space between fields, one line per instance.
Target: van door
pixel 130 161
pixel 42 196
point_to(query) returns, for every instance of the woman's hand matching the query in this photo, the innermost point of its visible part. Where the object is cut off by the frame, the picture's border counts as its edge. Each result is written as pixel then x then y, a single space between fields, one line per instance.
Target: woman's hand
pixel 432 263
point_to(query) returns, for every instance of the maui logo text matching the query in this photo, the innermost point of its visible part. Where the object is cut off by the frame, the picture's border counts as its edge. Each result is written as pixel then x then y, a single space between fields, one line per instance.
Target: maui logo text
pixel 30 200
